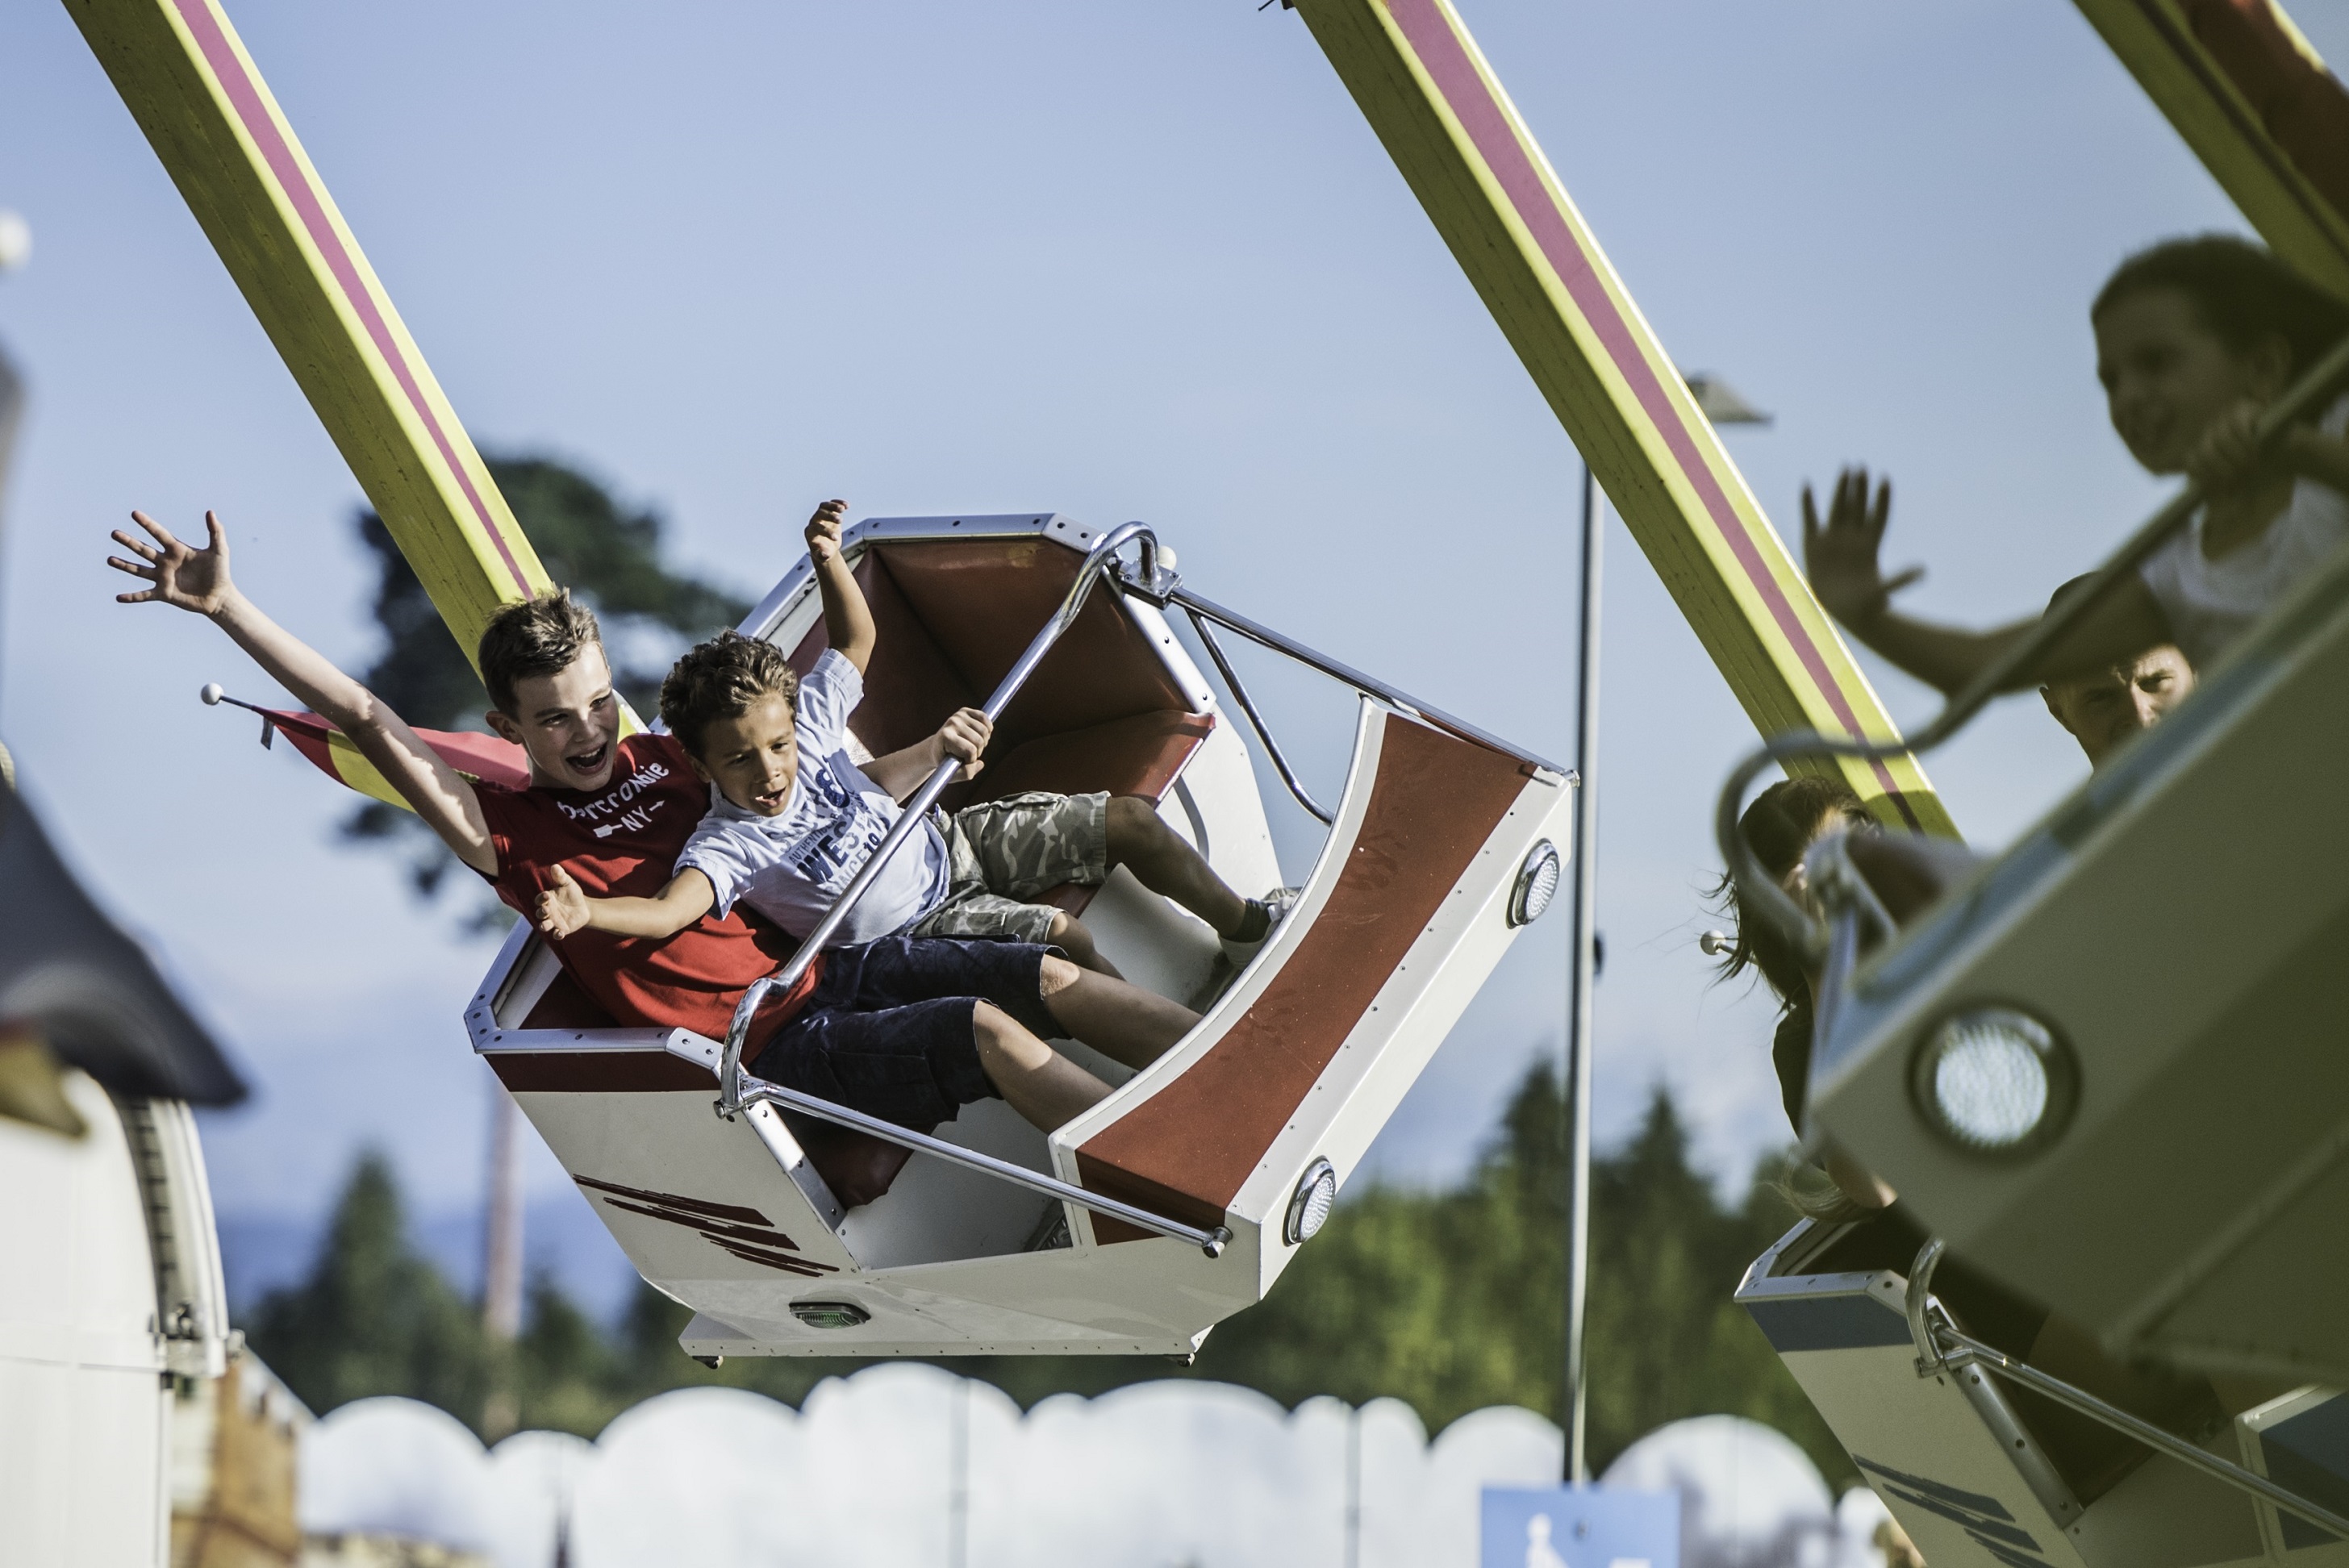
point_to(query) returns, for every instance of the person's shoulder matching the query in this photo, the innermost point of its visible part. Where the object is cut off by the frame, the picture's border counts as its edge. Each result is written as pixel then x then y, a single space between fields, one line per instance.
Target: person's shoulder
pixel 829 693
pixel 647 748
pixel 832 669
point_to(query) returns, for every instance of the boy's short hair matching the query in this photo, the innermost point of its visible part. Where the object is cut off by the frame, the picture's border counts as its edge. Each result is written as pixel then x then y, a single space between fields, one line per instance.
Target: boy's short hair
pixel 541 637
pixel 722 678
pixel 2243 292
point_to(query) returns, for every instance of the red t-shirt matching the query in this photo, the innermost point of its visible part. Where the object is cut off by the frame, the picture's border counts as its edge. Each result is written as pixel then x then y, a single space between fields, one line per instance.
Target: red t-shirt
pixel 622 842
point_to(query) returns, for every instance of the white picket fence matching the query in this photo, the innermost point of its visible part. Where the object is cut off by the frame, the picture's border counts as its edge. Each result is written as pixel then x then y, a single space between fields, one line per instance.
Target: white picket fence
pixel 904 1464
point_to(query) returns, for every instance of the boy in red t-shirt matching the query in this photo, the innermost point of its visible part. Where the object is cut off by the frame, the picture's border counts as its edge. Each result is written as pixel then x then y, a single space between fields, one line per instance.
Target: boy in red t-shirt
pixel 616 812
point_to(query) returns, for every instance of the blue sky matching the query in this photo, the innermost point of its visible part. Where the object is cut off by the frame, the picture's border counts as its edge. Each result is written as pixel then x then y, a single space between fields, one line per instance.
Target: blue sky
pixel 1115 260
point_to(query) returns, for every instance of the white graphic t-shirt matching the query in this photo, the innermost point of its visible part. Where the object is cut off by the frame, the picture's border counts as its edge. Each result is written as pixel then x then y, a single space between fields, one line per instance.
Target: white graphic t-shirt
pixel 794 866
pixel 2210 603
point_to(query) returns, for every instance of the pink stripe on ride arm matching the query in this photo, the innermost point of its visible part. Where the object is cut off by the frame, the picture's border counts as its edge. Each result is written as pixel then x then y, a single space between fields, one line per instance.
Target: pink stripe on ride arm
pixel 1447 61
pixel 244 96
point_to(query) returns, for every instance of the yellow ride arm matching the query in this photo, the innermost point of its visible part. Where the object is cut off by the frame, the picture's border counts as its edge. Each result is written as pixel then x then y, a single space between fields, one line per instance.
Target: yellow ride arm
pixel 210 118
pixel 1428 93
pixel 2219 99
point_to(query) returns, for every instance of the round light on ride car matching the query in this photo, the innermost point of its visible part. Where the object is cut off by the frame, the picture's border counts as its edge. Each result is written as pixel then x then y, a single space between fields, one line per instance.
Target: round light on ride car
pixel 830 1314
pixel 1995 1081
pixel 1310 1206
pixel 1536 883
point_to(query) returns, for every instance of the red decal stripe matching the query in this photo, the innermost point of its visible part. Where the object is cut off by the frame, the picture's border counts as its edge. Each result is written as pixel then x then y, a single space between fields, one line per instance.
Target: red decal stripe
pixel 244 96
pixel 1440 50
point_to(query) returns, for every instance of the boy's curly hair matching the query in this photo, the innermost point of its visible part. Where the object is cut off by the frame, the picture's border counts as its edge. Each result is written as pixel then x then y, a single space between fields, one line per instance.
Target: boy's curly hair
pixel 722 678
pixel 541 637
pixel 2243 292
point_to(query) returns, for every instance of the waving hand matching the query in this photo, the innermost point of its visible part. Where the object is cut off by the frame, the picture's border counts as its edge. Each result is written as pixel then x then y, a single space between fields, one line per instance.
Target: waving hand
pixel 1840 556
pixel 193 579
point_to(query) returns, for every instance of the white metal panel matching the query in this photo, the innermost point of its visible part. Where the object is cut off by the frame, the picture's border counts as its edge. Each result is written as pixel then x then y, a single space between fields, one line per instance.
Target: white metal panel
pixel 82 1403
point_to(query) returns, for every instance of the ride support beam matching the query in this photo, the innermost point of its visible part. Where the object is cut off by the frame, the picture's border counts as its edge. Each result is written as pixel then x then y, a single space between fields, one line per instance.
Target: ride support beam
pixel 188 81
pixel 1467 155
pixel 2255 103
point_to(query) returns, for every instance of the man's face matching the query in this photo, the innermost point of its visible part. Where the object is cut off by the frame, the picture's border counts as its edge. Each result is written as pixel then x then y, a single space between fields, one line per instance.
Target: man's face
pixel 2105 709
pixel 754 757
pixel 569 722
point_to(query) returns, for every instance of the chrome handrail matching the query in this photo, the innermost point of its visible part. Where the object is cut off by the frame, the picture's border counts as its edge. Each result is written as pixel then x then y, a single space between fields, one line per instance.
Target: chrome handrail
pixel 916 807
pixel 2015 1441
pixel 1961 1350
pixel 1759 893
pixel 1943 1347
pixel 1211 1242
pixel 1262 731
pixel 1168 591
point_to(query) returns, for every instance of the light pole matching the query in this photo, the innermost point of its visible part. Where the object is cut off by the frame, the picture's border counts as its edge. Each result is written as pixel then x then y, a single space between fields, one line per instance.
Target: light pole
pixel 1722 404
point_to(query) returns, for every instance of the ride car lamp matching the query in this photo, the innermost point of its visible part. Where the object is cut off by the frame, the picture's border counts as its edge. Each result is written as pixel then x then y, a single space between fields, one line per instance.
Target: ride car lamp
pixel 830 1314
pixel 1308 1208
pixel 1536 883
pixel 1994 1081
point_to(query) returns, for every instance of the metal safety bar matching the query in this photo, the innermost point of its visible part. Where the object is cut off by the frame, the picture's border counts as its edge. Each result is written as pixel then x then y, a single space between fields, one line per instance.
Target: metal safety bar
pixel 1941 1347
pixel 1210 1241
pixel 1263 732
pixel 736 1093
pixel 1167 591
pixel 1759 893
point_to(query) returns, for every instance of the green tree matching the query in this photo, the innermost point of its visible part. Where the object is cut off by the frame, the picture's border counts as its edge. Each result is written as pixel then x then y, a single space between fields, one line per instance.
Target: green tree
pixel 607 555
pixel 373 1317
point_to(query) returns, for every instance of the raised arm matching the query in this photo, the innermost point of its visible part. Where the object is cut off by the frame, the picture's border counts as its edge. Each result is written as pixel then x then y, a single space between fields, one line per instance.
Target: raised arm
pixel 1840 556
pixel 847 618
pixel 197 580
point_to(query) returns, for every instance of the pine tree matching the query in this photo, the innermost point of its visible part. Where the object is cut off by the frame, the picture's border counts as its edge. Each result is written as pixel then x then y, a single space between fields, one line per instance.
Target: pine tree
pixel 373 1317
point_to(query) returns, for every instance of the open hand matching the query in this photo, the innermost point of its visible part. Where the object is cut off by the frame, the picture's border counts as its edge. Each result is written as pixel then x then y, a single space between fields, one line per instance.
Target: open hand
pixel 823 532
pixel 195 580
pixel 562 907
pixel 2228 456
pixel 963 737
pixel 1840 558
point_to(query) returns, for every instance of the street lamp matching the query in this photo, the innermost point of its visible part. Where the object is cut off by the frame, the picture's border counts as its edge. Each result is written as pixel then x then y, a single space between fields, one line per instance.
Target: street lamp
pixel 1720 403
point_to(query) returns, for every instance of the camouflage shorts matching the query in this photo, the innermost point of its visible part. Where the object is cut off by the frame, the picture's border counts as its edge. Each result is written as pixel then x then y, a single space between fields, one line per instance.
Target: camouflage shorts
pixel 1005 851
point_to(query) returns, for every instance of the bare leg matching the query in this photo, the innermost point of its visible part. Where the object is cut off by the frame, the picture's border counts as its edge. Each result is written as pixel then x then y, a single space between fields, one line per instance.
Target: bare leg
pixel 1122 1021
pixel 1140 840
pixel 1068 935
pixel 1039 1083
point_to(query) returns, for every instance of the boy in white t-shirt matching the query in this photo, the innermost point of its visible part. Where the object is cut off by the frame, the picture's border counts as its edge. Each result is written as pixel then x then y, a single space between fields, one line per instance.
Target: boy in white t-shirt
pixel 2194 338
pixel 793 817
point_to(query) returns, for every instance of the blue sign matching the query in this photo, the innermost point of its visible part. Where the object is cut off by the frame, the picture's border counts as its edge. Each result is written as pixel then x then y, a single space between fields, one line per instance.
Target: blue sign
pixel 1580 1527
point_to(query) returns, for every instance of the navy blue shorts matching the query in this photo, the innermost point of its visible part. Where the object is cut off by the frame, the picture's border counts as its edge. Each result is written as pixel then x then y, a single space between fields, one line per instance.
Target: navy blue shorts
pixel 888 1030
